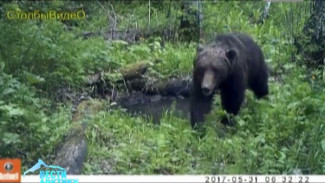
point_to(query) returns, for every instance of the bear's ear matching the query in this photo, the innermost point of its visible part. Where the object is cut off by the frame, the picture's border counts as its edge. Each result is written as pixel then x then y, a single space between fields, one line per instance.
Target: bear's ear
pixel 199 48
pixel 231 54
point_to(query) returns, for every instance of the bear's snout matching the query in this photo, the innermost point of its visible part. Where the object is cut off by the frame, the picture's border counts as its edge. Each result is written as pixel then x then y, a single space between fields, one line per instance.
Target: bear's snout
pixel 208 84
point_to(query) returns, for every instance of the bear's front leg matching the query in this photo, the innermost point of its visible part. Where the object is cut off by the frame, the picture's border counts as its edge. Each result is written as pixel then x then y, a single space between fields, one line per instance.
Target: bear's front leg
pixel 200 105
pixel 232 96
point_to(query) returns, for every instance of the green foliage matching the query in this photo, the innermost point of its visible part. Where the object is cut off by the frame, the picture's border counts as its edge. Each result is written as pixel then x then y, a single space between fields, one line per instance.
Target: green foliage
pixel 48 52
pixel 291 114
pixel 280 134
pixel 165 61
pixel 27 127
pixel 283 133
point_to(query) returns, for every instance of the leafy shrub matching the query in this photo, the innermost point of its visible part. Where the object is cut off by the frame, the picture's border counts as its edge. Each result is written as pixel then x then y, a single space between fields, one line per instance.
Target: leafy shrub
pixel 29 127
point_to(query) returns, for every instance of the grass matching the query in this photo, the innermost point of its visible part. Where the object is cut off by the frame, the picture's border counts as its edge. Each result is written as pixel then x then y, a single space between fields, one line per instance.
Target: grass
pixel 281 134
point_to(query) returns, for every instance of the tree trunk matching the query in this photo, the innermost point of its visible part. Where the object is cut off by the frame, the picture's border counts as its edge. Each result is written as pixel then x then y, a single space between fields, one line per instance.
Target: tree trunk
pixel 314 48
pixel 190 25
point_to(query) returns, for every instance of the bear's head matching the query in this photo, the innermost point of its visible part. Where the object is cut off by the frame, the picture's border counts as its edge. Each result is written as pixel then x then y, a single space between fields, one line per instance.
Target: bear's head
pixel 212 66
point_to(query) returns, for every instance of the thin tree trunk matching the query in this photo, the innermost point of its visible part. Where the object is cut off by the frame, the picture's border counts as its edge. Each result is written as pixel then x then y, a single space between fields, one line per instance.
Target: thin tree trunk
pixel 311 44
pixel 315 30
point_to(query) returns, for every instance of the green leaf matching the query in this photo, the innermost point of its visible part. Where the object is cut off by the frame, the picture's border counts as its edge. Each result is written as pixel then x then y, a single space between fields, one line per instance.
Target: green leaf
pixel 2 65
pixel 45 129
pixel 11 138
pixel 12 110
pixel 33 79
pixel 254 153
pixel 7 91
pixel 241 122
pixel 323 144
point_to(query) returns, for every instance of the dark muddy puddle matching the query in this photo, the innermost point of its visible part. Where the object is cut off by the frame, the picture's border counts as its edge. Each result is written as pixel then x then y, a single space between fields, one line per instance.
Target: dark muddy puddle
pixel 154 106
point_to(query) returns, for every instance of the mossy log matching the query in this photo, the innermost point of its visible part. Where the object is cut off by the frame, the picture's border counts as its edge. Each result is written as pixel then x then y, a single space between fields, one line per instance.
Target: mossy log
pixel 134 71
pixel 134 80
pixel 129 72
pixel 72 152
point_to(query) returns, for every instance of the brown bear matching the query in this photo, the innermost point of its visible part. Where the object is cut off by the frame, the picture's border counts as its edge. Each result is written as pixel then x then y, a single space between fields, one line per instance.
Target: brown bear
pixel 229 63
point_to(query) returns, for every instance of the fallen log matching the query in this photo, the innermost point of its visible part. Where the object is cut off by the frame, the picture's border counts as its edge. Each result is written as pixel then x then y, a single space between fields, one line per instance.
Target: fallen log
pixel 129 72
pixel 133 79
pixel 134 71
pixel 73 150
pixel 179 86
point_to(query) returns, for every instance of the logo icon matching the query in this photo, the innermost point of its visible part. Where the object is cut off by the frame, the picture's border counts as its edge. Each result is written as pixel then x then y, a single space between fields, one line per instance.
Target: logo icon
pixel 8 166
pixel 38 166
pixel 57 174
pixel 10 170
